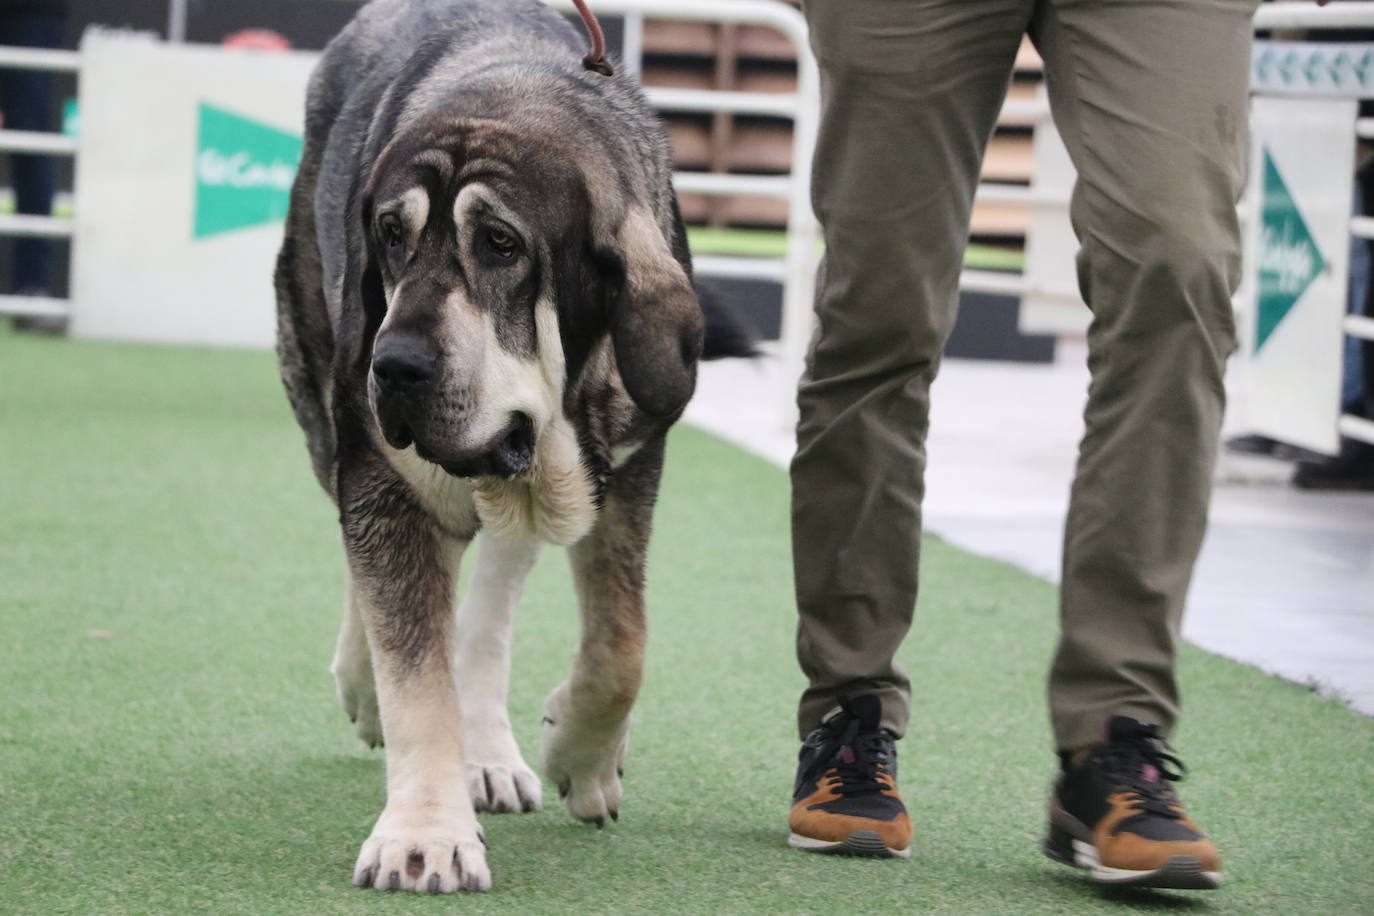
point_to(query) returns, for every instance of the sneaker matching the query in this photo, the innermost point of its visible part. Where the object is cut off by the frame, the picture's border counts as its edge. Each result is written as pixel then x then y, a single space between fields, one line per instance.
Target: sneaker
pixel 846 800
pixel 1116 813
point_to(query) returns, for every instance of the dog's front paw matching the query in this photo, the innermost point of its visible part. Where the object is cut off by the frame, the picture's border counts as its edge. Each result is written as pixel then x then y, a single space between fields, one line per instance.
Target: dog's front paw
pixel 358 696
pixel 583 757
pixel 503 788
pixel 428 849
pixel 498 779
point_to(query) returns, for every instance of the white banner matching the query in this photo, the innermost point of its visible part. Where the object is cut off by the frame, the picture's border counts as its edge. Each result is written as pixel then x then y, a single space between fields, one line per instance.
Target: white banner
pixel 1298 248
pixel 1313 68
pixel 186 158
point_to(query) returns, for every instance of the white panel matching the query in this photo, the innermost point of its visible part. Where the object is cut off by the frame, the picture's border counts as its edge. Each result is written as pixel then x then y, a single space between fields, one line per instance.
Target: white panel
pixel 1291 376
pixel 138 273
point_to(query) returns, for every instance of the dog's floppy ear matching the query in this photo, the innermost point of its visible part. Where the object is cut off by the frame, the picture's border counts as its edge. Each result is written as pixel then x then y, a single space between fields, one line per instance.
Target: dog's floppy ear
pixel 363 278
pixel 655 321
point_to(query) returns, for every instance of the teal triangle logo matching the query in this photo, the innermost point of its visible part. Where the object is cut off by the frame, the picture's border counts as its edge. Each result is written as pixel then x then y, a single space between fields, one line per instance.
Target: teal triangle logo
pixel 244 171
pixel 1289 259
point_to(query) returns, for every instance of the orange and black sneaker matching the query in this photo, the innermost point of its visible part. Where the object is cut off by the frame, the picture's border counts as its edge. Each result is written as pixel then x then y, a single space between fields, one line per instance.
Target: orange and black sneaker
pixel 1115 812
pixel 846 800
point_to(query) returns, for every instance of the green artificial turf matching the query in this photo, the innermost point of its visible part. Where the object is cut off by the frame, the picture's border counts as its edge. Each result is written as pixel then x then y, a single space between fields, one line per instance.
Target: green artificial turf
pixel 170 582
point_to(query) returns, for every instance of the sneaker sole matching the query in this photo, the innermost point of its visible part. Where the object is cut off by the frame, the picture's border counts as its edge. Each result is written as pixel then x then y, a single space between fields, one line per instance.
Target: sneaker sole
pixel 859 843
pixel 1183 873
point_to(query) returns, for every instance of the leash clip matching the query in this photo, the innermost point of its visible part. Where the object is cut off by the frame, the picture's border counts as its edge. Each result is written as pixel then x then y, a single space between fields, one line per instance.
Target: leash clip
pixel 596 57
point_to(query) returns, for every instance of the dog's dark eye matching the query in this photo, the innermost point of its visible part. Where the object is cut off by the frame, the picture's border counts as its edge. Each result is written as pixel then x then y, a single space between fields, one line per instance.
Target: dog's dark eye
pixel 501 242
pixel 390 226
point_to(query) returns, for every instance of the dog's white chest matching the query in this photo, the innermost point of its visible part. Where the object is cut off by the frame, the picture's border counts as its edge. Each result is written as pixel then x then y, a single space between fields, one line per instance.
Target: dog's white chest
pixel 446 498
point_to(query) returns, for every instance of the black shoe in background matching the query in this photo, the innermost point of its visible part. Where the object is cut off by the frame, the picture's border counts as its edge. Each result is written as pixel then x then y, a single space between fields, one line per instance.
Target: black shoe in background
pixel 1351 470
pixel 1254 444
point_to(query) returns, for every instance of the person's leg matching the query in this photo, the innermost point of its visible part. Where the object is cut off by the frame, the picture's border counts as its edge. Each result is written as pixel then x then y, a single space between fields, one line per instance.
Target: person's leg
pixel 910 93
pixel 1366 188
pixel 26 98
pixel 1352 359
pixel 1151 99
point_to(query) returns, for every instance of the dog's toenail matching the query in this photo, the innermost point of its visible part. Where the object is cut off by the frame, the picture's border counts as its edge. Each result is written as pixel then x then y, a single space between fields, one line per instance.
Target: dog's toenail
pixel 394 882
pixel 434 883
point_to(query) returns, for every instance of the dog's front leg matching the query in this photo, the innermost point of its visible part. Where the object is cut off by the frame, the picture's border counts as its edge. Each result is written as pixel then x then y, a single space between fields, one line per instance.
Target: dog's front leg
pixel 427 838
pixel 352 670
pixel 587 718
pixel 498 779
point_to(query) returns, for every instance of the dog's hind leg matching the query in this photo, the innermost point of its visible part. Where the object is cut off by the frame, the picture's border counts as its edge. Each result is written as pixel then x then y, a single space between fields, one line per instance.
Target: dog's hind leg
pixel 352 670
pixel 498 778
pixel 427 837
pixel 587 718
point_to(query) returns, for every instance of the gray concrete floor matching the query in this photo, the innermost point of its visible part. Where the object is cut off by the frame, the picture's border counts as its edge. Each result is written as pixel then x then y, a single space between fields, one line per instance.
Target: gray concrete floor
pixel 1286 578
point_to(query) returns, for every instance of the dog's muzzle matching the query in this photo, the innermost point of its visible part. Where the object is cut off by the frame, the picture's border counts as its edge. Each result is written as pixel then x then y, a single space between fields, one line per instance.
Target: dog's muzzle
pixel 405 371
pixel 510 456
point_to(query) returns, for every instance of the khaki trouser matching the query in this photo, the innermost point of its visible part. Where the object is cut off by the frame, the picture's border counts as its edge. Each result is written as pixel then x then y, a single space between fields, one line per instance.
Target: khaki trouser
pixel 1150 97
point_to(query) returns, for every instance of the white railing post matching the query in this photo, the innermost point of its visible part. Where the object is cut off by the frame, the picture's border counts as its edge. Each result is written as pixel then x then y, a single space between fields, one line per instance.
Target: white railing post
pixel 176 21
pixel 632 43
pixel 803 238
pixel 1303 14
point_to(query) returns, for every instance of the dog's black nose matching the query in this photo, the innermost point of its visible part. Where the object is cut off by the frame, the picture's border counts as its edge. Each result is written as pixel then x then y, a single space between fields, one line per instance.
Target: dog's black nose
pixel 404 361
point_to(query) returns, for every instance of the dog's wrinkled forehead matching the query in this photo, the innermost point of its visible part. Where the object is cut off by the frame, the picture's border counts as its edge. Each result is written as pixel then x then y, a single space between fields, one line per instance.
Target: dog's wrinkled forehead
pixel 479 218
pixel 515 165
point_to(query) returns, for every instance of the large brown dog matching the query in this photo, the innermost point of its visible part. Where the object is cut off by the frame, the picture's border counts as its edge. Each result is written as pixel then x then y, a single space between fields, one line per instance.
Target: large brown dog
pixel 487 323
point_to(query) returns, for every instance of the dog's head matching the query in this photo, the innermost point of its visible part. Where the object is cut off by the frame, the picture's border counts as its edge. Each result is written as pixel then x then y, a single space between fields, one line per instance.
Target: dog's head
pixel 495 259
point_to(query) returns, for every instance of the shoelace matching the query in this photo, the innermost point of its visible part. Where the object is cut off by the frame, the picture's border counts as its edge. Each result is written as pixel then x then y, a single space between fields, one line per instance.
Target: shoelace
pixel 854 773
pixel 1131 758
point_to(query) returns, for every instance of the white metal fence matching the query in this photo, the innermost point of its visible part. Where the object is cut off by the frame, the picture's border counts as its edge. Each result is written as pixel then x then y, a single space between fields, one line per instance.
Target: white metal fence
pixel 39 143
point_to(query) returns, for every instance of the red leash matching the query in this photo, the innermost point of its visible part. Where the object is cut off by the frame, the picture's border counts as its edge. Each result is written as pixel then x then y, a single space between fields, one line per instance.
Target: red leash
pixel 596 58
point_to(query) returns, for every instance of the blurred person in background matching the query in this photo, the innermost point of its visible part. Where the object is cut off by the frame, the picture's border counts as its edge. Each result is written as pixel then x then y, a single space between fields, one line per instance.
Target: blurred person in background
pixel 1152 101
pixel 257 40
pixel 27 103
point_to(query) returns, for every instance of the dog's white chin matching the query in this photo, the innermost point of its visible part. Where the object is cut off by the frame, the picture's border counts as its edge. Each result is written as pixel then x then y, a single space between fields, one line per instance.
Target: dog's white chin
pixel 554 500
